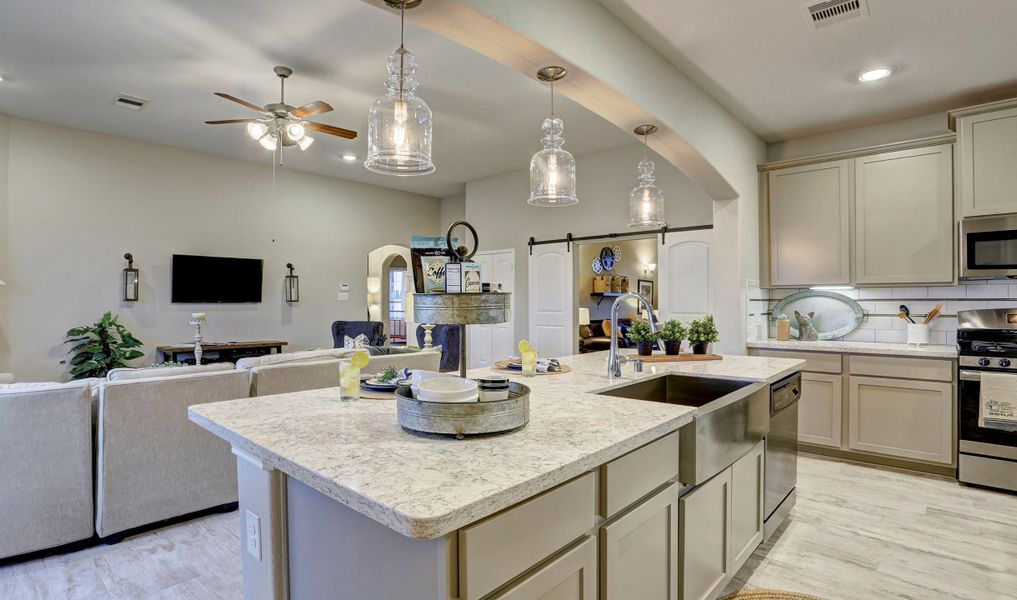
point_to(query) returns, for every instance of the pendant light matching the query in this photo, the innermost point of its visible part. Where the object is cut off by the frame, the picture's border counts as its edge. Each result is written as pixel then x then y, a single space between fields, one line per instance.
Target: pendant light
pixel 552 169
pixel 646 201
pixel 399 124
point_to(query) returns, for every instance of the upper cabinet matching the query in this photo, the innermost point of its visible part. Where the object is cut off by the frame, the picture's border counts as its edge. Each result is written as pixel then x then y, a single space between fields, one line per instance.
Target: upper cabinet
pixel 986 158
pixel 809 214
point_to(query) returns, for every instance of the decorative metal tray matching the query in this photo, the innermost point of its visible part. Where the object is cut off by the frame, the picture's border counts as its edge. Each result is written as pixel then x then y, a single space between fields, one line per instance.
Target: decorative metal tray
pixel 464 418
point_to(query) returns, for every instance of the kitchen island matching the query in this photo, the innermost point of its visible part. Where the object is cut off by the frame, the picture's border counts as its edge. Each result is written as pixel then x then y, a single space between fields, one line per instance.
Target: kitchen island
pixel 337 501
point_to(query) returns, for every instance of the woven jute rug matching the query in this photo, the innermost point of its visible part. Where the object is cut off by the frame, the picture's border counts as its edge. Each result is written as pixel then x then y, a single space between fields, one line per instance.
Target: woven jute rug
pixel 768 595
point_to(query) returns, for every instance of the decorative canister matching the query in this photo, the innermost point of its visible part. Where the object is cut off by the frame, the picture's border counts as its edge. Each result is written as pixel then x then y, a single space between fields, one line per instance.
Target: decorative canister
pixel 615 283
pixel 783 328
pixel 623 285
pixel 601 284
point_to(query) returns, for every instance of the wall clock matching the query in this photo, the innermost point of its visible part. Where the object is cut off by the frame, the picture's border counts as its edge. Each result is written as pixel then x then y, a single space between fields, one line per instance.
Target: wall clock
pixel 607 258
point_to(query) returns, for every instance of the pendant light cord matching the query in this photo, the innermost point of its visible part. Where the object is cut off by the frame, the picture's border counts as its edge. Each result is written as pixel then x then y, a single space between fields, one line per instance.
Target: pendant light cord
pixel 402 38
pixel 552 98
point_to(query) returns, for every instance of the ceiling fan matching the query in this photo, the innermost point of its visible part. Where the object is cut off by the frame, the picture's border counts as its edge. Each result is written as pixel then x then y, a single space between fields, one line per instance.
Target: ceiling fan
pixel 281 123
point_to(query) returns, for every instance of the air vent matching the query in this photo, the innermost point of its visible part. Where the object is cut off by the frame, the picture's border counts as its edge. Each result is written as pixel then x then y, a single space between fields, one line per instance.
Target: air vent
pixel 822 14
pixel 131 102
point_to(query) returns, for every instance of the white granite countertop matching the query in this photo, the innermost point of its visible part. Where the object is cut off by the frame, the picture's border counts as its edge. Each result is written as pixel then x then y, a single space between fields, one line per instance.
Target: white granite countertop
pixel 425 486
pixel 931 351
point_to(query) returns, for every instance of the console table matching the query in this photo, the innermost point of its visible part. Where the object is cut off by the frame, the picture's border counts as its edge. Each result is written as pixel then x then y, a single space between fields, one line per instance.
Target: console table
pixel 213 352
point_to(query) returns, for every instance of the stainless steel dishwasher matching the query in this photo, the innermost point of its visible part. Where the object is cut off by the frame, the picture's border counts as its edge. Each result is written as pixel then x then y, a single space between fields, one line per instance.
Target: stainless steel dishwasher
pixel 781 452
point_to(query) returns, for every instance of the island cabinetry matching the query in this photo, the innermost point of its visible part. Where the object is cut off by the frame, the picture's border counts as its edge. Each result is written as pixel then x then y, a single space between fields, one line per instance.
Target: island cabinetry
pixel 639 550
pixel 629 478
pixel 747 485
pixel 570 576
pixel 987 153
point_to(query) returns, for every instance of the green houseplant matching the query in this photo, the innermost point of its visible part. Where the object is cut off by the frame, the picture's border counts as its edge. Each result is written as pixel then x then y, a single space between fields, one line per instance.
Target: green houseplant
pixel 101 346
pixel 641 335
pixel 673 332
pixel 702 333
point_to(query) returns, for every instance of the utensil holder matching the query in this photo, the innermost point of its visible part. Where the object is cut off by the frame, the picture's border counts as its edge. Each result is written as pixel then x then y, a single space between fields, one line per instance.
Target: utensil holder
pixel 918 334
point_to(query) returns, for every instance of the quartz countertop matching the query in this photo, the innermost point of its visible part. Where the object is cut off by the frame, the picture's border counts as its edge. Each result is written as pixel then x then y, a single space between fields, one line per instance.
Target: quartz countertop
pixel 931 351
pixel 425 486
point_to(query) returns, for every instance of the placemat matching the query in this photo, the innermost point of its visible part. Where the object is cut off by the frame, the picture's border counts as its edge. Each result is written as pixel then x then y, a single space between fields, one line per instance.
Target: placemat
pixel 502 367
pixel 654 358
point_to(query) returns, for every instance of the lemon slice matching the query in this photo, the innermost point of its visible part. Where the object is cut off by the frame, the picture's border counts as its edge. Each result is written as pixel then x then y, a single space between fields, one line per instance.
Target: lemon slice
pixel 524 346
pixel 360 359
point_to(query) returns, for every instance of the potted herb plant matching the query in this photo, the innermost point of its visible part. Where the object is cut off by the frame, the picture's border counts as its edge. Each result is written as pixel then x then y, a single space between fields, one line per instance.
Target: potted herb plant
pixel 641 335
pixel 702 333
pixel 100 347
pixel 673 332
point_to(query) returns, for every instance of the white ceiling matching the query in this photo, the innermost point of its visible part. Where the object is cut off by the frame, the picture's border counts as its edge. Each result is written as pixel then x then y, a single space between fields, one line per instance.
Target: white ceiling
pixel 65 65
pixel 783 80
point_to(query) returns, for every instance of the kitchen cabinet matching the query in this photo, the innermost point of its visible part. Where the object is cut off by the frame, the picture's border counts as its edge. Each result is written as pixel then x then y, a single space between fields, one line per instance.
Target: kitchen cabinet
pixel 903 226
pixel 987 153
pixel 747 478
pixel 809 217
pixel 820 410
pixel 901 418
pixel 639 550
pixel 572 576
pixel 705 556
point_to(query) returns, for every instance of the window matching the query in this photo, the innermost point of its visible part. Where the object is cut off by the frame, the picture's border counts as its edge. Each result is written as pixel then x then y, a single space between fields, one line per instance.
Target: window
pixel 396 292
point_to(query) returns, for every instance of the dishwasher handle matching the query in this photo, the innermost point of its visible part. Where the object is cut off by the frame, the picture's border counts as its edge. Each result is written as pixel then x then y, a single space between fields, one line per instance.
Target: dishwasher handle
pixel 785 394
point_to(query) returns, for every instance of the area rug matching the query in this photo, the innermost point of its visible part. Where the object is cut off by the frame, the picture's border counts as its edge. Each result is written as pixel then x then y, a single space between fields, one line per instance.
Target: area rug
pixel 760 594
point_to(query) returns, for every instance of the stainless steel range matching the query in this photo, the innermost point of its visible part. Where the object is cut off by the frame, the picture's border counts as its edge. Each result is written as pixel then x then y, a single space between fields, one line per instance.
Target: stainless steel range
pixel 987 340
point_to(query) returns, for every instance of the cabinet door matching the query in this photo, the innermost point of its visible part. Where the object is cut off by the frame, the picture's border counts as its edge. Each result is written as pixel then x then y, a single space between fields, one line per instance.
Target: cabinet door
pixel 639 550
pixel 747 506
pixel 819 410
pixel 987 153
pixel 704 533
pixel 904 229
pixel 571 576
pixel 810 225
pixel 900 418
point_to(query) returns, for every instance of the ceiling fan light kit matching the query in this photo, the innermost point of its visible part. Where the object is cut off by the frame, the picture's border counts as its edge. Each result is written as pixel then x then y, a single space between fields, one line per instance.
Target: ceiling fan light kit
pixel 646 201
pixel 399 123
pixel 552 169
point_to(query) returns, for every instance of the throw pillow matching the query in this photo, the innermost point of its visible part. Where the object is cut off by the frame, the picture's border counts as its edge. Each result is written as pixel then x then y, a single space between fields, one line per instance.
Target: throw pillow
pixel 358 343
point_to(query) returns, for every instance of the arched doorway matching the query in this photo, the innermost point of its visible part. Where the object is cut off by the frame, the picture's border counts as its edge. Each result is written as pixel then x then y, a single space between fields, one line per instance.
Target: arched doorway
pixel 389 279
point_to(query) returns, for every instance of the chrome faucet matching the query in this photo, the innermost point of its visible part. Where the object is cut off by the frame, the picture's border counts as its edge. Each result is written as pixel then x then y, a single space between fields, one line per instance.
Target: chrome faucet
pixel 615 359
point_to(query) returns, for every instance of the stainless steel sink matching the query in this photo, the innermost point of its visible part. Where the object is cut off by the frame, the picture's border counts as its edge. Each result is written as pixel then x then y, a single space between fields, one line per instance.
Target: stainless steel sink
pixel 733 416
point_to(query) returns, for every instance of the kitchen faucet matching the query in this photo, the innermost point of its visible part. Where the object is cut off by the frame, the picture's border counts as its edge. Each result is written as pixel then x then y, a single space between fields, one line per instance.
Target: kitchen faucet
pixel 615 359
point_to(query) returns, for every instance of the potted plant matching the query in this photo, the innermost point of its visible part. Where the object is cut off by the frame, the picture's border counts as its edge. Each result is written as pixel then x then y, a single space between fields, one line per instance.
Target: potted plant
pixel 641 335
pixel 100 347
pixel 673 332
pixel 702 333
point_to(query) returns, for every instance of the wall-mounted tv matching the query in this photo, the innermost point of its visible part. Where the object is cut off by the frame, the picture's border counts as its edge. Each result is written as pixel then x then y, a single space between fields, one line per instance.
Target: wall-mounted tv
pixel 216 279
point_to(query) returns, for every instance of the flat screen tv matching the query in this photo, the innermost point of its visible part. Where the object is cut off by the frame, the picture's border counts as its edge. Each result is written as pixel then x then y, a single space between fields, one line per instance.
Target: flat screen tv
pixel 216 279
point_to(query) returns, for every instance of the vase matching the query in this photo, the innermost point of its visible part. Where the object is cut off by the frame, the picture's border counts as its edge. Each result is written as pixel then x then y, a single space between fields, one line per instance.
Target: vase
pixel 672 348
pixel 644 348
pixel 700 347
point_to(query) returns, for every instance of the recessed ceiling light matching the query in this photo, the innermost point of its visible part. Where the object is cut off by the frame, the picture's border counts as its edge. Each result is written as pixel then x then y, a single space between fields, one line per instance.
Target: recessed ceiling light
pixel 1 78
pixel 875 74
pixel 349 157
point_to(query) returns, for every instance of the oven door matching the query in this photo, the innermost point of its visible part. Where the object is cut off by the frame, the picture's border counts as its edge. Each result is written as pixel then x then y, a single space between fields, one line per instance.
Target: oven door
pixel 989 247
pixel 975 439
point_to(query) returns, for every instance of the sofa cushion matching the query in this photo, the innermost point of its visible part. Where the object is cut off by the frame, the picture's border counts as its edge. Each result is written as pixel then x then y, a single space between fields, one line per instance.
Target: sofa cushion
pixel 285 357
pixel 389 350
pixel 29 385
pixel 148 372
pixel 358 343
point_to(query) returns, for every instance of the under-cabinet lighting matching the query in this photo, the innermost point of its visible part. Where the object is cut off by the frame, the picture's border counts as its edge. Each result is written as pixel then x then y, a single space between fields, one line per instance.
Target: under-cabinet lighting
pixel 832 288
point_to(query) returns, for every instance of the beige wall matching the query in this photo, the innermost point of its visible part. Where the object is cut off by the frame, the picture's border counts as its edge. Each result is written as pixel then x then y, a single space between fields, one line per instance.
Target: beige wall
pixel 635 254
pixel 497 207
pixel 78 201
pixel 5 272
pixel 453 208
pixel 860 137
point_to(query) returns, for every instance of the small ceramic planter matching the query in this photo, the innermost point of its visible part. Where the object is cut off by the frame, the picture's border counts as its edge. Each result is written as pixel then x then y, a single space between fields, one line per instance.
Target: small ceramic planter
pixel 672 348
pixel 701 348
pixel 644 348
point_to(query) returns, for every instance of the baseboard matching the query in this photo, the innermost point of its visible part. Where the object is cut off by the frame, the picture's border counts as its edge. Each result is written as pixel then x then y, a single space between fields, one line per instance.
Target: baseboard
pixel 882 461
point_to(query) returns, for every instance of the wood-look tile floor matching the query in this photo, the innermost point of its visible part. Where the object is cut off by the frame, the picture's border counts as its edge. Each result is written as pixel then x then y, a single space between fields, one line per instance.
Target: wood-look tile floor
pixel 858 533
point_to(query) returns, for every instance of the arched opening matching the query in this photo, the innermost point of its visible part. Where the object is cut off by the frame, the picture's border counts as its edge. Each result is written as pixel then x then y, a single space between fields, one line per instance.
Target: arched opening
pixel 389 281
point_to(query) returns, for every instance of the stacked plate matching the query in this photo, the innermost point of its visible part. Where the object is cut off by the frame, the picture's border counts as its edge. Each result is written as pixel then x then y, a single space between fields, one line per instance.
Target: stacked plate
pixel 493 388
pixel 446 389
pixel 372 384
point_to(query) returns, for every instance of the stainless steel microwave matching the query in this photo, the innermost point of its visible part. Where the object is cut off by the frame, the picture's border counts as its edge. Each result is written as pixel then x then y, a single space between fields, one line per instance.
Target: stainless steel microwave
pixel 988 247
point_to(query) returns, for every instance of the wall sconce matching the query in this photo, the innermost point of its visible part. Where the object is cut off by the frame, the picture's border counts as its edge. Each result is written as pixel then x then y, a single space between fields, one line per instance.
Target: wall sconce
pixel 132 277
pixel 292 285
pixel 649 268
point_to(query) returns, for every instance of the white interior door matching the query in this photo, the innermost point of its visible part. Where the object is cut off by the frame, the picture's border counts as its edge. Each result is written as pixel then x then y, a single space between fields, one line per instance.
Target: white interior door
pixel 683 275
pixel 490 343
pixel 552 319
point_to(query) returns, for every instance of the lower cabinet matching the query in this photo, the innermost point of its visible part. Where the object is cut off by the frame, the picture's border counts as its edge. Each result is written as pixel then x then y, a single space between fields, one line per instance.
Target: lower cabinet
pixel 571 576
pixel 639 550
pixel 819 410
pixel 901 418
pixel 747 506
pixel 705 539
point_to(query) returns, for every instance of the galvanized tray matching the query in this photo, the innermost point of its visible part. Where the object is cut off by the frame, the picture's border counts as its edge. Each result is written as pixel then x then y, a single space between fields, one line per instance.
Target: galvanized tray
pixel 464 418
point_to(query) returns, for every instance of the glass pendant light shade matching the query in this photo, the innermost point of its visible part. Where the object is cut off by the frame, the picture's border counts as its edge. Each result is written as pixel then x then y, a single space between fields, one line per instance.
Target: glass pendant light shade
pixel 399 124
pixel 646 201
pixel 552 169
pixel 257 129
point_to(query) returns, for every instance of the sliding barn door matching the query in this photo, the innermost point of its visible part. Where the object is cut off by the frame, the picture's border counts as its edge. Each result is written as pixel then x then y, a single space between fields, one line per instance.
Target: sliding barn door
pixel 683 275
pixel 551 303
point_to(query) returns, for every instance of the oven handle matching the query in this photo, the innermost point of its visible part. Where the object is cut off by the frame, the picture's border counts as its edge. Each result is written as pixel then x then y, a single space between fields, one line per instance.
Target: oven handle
pixel 970 376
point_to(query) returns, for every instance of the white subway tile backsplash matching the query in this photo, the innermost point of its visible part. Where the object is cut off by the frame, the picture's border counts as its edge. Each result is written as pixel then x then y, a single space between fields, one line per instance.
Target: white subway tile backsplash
pixel 937 337
pixel 951 338
pixel 892 336
pixel 860 335
pixel 949 293
pixel 874 293
pixel 887 308
pixel 879 322
pixel 988 290
pixel 1001 303
pixel 910 292
pixel 953 307
pixel 779 293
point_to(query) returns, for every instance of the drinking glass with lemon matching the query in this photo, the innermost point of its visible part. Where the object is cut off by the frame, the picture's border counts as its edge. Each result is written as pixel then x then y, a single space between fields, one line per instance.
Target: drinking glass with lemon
pixel 349 376
pixel 528 356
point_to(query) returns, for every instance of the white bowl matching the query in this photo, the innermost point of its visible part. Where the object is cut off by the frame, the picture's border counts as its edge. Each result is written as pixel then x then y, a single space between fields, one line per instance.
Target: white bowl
pixel 446 389
pixel 494 395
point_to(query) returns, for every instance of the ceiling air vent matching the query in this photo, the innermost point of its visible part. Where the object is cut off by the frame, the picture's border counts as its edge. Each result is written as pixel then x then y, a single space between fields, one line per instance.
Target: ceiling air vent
pixel 131 102
pixel 821 14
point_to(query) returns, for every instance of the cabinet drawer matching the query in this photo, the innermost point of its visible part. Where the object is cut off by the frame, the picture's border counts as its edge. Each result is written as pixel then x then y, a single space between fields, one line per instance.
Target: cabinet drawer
pixel 932 369
pixel 817 362
pixel 505 545
pixel 629 478
pixel 571 576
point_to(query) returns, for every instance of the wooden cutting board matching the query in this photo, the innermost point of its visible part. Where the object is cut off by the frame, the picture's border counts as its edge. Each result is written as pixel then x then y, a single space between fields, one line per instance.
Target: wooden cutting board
pixel 655 358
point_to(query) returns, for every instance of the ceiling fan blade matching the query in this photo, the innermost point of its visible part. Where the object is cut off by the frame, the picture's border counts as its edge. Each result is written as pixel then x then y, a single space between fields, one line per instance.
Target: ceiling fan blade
pixel 240 102
pixel 226 121
pixel 314 108
pixel 337 131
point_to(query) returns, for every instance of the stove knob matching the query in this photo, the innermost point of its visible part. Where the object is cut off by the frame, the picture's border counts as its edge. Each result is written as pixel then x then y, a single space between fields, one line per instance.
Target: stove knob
pixel 983 362
pixel 1004 362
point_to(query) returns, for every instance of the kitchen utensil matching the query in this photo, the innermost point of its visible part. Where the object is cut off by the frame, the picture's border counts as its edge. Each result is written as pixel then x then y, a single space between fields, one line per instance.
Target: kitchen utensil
pixel 933 313
pixel 907 313
pixel 903 317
